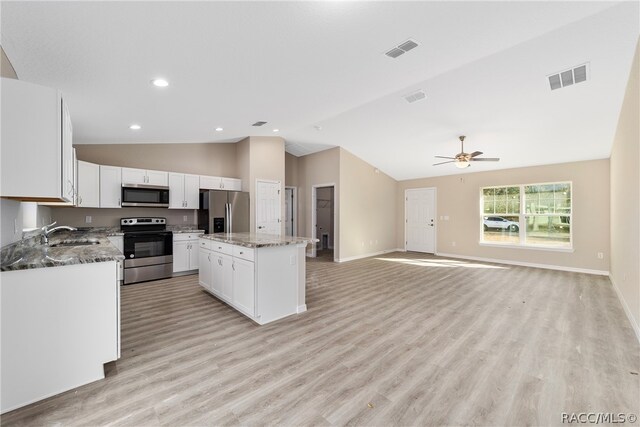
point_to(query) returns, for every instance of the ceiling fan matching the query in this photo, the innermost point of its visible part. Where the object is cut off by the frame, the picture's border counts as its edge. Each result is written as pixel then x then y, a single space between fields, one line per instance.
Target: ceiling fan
pixel 463 160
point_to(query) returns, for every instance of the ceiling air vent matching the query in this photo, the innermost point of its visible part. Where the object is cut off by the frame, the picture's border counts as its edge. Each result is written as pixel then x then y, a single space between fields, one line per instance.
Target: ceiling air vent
pixel 567 78
pixel 400 49
pixel 259 124
pixel 415 96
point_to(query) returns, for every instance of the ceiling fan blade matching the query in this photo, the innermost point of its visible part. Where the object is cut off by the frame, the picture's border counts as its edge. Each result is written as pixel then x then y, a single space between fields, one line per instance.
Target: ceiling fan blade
pixel 443 157
pixel 475 153
pixel 442 163
pixel 485 159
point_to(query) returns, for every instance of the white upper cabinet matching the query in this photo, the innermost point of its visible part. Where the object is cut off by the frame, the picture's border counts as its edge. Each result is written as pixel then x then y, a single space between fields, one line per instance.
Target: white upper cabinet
pixel 88 185
pixel 183 191
pixel 176 190
pixel 134 176
pixel 158 178
pixel 191 191
pixel 141 176
pixel 220 183
pixel 37 147
pixel 110 186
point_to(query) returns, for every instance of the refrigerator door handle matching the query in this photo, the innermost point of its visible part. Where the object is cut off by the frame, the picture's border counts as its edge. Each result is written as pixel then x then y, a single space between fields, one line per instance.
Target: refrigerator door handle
pixel 230 218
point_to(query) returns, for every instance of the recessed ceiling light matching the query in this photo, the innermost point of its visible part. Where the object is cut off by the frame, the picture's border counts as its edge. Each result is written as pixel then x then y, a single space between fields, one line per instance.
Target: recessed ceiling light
pixel 318 127
pixel 160 82
pixel 135 127
pixel 219 129
pixel 276 130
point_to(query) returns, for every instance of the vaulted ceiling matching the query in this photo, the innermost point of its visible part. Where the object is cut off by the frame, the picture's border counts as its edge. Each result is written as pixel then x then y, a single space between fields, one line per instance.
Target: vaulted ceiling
pixel 316 71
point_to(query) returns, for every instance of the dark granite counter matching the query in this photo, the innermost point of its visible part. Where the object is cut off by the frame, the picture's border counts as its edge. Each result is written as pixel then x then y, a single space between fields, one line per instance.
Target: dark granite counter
pixel 252 240
pixel 30 253
pixel 184 229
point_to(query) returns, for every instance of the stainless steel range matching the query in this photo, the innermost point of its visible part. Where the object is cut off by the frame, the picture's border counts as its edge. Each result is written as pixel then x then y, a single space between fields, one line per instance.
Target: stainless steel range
pixel 148 249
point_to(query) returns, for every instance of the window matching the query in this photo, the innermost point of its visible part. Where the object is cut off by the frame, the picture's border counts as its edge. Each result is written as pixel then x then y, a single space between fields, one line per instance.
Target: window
pixel 527 215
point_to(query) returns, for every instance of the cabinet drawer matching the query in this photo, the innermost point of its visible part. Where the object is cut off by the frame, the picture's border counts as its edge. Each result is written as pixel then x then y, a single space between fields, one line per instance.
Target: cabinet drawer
pixel 205 244
pixel 244 253
pixel 224 248
pixel 180 237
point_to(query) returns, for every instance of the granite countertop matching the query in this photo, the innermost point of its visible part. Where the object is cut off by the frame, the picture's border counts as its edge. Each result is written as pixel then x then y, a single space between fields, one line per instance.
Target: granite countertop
pixel 253 240
pixel 184 229
pixel 30 253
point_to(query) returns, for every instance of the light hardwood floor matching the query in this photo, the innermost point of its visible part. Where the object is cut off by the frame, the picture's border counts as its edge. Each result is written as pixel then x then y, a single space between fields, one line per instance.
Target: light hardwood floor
pixel 402 339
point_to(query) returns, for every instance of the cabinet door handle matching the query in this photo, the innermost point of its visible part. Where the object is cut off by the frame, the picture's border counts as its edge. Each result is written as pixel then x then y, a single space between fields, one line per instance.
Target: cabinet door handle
pixel 233 266
pixel 118 201
pixel 209 257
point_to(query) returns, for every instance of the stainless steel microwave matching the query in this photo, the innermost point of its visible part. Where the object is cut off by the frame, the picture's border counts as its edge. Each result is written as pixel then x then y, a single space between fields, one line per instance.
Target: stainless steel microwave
pixel 144 195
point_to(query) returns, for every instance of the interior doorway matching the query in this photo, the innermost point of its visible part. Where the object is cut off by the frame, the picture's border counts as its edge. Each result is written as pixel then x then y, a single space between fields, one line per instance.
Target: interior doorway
pixel 268 207
pixel 323 220
pixel 420 224
pixel 291 211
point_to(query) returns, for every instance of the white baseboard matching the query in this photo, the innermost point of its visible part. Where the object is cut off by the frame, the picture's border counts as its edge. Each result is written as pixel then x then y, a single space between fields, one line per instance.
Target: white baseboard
pixel 302 308
pixel 527 264
pixel 627 311
pixel 353 258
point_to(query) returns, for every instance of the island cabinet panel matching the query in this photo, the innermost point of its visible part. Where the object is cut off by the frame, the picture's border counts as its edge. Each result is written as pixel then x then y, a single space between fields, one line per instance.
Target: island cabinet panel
pixel 60 325
pixel 244 292
pixel 264 283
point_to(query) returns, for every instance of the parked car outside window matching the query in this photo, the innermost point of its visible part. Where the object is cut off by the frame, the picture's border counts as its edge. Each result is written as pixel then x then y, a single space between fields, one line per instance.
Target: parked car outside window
pixel 499 223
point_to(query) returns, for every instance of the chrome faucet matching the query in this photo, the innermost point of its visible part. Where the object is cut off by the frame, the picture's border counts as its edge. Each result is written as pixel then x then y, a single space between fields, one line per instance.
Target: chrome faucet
pixel 46 231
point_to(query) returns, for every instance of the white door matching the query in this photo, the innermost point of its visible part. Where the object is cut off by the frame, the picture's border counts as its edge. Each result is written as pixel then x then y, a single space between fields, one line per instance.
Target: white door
pixel 110 186
pixel 268 207
pixel 420 216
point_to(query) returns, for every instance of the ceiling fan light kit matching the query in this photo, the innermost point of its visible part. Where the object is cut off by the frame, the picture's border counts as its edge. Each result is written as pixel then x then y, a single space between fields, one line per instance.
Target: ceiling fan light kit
pixel 463 160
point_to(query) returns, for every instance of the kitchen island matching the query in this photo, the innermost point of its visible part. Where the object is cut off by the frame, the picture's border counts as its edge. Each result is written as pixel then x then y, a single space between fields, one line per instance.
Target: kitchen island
pixel 60 314
pixel 260 275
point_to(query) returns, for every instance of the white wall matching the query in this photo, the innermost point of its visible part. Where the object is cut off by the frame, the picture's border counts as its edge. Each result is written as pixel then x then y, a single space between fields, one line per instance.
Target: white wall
pixel 11 219
pixel 625 201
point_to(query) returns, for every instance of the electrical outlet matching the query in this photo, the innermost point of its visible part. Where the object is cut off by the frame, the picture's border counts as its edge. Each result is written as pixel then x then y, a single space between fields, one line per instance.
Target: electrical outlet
pixel 600 255
pixel 446 217
pixel 15 226
pixel 184 218
pixel 87 219
pixel 292 260
pixel 453 243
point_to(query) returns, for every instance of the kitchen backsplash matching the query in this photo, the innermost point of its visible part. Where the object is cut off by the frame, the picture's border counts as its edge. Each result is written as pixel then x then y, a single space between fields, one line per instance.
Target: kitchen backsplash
pixel 77 217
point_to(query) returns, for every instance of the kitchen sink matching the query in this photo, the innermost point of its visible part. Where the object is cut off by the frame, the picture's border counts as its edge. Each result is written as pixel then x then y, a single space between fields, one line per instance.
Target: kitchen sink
pixel 76 243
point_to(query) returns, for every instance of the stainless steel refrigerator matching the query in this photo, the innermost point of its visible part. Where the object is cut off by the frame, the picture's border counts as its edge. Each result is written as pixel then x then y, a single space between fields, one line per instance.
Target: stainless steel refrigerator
pixel 223 211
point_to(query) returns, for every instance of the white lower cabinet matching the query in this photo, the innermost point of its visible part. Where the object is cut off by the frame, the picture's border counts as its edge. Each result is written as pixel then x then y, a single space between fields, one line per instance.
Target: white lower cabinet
pixel 60 326
pixel 185 252
pixel 222 275
pixel 244 293
pixel 205 272
pixel 265 284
